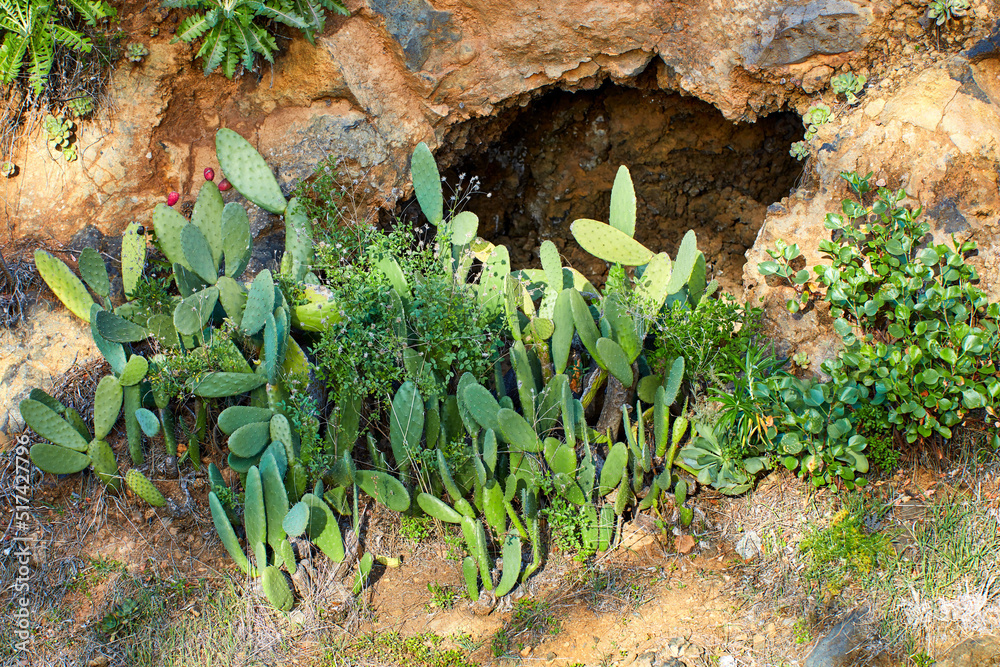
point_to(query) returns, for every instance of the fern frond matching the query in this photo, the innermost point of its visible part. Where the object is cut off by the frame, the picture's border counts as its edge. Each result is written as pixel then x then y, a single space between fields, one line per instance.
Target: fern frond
pixel 335 6
pixel 239 45
pixel 192 28
pixel 42 55
pixel 184 4
pixel 11 56
pixel 313 14
pixel 280 14
pixel 263 43
pixel 71 38
pixel 216 41
pixel 231 60
pixel 92 10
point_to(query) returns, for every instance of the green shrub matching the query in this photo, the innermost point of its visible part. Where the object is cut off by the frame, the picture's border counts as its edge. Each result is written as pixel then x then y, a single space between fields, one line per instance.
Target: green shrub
pixel 843 551
pixel 919 336
pixel 713 338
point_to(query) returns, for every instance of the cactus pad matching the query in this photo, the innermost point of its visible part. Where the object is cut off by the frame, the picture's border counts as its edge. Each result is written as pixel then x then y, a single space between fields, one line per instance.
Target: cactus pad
pixel 226 533
pixel 276 589
pixel 623 202
pixel 247 171
pixel 193 312
pixel 427 183
pixel 260 302
pixel 143 488
pixel 236 416
pixel 511 564
pixel 103 459
pixel 437 508
pixel 168 225
pixel 133 257
pixel 207 217
pixel 198 254
pixel 610 244
pixel 64 284
pixel 44 421
pixel 384 488
pixel 107 406
pixel 58 460
pixel 135 370
pixel 117 329
pixel 94 272
pixel 249 440
pixel 518 432
pixel 615 361
pixel 220 384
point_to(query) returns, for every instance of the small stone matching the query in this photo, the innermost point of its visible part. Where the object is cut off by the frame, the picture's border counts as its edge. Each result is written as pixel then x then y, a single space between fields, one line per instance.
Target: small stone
pixel 816 78
pixel 526 651
pixel 727 661
pixel 684 544
pixel 99 661
pixel 874 108
pixel 759 641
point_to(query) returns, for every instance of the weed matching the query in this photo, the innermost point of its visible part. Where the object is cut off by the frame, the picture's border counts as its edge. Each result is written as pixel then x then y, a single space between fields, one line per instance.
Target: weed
pixel 442 597
pixel 416 529
pixel 843 551
pixel 391 648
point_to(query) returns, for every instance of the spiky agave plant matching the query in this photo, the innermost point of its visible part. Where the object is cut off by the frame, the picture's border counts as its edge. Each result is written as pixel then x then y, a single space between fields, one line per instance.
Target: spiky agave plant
pixel 32 28
pixel 231 33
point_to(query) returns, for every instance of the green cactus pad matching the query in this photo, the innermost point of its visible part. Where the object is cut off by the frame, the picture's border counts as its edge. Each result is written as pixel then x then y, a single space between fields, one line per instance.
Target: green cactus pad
pixel 198 254
pixel 526 388
pixel 615 360
pixel 134 371
pixel 384 488
pixel 475 539
pixel 58 460
pixel 406 422
pixel 148 422
pixel 168 225
pixel 44 421
pixel 275 587
pixel 511 564
pixel 107 406
pixel 471 574
pixel 494 509
pixel 143 488
pixel 605 527
pixel 623 326
pixel 437 508
pixel 364 569
pixel 241 465
pixel 614 468
pixel 226 533
pixel 260 302
pixel 64 284
pixel 518 432
pixel 269 351
pixel 464 227
pixel 94 272
pixel 103 459
pixel 133 257
pixel 207 217
pixel 481 405
pixel 249 440
pixel 562 335
pixel 113 352
pixel 585 326
pixel 50 402
pixel 298 241
pixel 236 416
pixel 161 327
pixel 131 400
pixel 280 429
pixel 672 386
pixel 687 256
pixel 296 519
pixel 651 288
pixel 492 280
pixel 323 529
pixel 76 421
pixel 220 384
pixel 247 171
pixel 254 517
pixel 321 311
pixel 623 203
pixel 232 297
pixel 610 244
pixel 275 500
pixel 237 242
pixel 192 313
pixel 427 183
pixel 117 329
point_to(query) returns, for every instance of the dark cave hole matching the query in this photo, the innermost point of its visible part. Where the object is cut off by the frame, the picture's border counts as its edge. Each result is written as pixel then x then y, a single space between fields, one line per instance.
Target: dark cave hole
pixel 554 160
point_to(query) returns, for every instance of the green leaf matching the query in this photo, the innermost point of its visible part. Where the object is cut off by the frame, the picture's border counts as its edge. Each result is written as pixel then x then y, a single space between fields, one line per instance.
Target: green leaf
pixel 623 203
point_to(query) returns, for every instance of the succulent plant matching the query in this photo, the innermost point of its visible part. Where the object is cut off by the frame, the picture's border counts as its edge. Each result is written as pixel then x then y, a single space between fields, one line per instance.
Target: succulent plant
pixel 136 52
pixel 81 106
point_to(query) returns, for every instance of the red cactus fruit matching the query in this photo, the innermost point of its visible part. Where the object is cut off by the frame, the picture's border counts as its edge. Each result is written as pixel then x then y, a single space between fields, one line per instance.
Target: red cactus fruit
pixel 173 198
pixel 209 174
pixel 224 185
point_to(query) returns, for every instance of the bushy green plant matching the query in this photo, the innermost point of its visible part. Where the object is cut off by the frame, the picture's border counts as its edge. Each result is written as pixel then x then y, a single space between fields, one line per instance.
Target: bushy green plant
pixel 873 423
pixel 234 32
pixel 817 115
pixel 712 337
pixel 919 336
pixel 31 29
pixel 81 106
pixel 843 551
pixel 59 134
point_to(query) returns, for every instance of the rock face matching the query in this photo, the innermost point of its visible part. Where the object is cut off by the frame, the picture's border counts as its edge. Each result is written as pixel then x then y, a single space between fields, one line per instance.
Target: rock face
pixel 400 71
pixel 396 72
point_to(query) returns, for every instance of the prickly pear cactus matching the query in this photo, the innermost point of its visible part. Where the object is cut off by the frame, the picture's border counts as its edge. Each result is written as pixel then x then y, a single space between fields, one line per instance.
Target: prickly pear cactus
pixel 143 488
pixel 248 172
pixel 64 283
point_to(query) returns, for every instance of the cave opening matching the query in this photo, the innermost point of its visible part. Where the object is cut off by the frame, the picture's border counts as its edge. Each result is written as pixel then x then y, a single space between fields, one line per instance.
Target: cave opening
pixel 554 160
